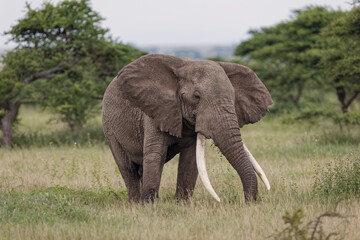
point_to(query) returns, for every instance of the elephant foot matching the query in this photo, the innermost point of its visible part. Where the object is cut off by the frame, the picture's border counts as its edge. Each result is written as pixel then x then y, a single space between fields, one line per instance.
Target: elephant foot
pixel 183 194
pixel 149 196
pixel 134 199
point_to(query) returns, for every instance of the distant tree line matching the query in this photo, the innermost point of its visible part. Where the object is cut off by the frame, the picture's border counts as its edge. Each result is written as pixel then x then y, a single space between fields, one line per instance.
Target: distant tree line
pixel 63 61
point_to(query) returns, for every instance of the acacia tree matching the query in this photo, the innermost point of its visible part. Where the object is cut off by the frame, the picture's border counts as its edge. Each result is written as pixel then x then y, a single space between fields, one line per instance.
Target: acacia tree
pixel 284 56
pixel 76 92
pixel 62 60
pixel 341 56
pixel 21 68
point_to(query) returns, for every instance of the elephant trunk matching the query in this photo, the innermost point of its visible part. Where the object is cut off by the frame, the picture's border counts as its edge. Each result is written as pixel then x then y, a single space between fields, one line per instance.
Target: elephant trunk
pixel 201 166
pixel 223 128
pixel 231 145
pixel 257 168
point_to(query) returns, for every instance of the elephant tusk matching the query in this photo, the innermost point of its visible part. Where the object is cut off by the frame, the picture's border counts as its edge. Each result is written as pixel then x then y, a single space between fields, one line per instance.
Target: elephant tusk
pixel 257 168
pixel 201 165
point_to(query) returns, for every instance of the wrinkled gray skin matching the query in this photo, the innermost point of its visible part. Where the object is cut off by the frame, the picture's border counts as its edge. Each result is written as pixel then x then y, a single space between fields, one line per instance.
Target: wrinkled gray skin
pixel 156 106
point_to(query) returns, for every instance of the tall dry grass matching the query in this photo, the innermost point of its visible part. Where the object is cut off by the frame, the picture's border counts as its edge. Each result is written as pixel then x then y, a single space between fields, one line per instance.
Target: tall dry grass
pixel 75 191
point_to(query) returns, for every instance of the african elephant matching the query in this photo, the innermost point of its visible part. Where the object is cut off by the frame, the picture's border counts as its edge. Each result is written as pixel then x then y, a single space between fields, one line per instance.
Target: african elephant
pixel 161 105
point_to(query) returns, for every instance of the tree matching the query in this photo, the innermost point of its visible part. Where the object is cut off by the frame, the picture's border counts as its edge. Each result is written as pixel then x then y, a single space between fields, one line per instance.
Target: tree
pixel 63 60
pixel 21 68
pixel 341 56
pixel 284 55
pixel 76 92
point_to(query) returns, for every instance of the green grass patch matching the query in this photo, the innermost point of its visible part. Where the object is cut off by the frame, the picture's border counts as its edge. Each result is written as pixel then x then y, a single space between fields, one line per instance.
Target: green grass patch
pixel 87 136
pixel 37 127
pixel 338 137
pixel 55 204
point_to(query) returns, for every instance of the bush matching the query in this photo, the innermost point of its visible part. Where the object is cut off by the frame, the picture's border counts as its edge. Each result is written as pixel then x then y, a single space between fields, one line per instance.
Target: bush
pixel 311 113
pixel 340 180
pixel 311 230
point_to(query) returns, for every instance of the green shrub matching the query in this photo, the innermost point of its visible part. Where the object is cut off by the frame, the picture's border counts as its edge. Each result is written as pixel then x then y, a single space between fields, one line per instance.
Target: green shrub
pixel 313 113
pixel 339 180
pixel 56 204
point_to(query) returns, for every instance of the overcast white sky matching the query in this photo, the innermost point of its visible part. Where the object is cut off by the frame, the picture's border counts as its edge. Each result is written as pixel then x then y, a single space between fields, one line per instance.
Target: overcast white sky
pixel 180 22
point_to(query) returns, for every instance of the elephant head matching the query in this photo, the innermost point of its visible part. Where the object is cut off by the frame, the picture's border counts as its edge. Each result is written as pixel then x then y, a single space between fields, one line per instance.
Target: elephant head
pixel 213 98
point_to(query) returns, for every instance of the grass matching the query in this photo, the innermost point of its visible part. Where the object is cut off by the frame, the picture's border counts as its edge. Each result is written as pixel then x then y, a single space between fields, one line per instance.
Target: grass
pixel 75 191
pixel 44 129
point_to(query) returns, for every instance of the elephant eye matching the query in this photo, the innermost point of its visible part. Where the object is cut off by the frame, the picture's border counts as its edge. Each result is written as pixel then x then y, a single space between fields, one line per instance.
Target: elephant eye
pixel 196 95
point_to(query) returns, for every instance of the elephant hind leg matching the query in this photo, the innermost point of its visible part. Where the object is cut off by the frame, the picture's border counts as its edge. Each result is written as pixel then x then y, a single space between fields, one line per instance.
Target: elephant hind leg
pixel 128 169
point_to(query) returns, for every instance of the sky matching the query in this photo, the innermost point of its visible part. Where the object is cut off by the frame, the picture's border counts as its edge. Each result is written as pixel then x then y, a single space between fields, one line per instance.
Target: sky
pixel 180 22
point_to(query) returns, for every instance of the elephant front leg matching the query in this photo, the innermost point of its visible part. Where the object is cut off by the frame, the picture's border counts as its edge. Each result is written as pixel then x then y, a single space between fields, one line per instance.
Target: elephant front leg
pixel 154 156
pixel 152 169
pixel 187 172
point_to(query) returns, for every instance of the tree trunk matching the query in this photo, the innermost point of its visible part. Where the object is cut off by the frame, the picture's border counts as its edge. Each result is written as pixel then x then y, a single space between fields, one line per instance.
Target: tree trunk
pixel 346 106
pixel 71 125
pixel 299 94
pixel 12 110
pixel 296 99
pixel 344 109
pixel 341 94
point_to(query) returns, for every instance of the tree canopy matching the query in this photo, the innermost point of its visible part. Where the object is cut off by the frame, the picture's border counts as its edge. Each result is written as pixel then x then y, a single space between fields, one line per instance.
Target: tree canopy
pixel 64 60
pixel 285 55
pixel 341 56
pixel 317 52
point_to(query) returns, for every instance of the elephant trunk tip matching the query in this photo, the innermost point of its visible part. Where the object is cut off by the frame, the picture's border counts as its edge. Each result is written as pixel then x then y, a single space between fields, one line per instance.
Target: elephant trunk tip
pixel 257 168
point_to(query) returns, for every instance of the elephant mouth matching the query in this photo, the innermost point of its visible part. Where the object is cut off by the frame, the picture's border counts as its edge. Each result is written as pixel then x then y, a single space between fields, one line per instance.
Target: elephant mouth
pixel 207 136
pixel 188 124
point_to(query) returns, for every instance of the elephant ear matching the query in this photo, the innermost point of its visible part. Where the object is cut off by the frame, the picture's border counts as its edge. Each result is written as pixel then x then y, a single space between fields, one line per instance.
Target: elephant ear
pixel 251 96
pixel 150 84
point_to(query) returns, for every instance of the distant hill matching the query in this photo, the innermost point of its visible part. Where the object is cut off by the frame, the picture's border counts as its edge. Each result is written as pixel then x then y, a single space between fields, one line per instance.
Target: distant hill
pixel 193 52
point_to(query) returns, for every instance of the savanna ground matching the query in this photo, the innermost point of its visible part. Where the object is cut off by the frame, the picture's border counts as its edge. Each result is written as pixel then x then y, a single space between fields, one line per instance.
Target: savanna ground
pixel 56 185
